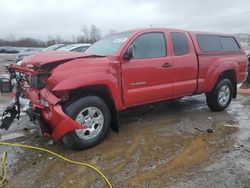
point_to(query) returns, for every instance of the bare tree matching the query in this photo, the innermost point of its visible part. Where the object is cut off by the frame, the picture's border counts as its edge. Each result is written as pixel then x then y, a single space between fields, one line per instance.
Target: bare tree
pixel 95 33
pixel 58 39
pixel 85 31
pixel 90 34
pixel 11 37
pixel 73 38
pixel 80 39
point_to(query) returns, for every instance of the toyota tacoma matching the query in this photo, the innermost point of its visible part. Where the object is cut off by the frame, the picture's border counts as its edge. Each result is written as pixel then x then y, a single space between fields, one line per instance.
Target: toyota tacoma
pixel 75 97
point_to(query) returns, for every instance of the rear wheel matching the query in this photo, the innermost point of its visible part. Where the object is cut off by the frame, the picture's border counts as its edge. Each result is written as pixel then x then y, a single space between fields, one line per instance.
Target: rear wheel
pixel 92 112
pixel 221 96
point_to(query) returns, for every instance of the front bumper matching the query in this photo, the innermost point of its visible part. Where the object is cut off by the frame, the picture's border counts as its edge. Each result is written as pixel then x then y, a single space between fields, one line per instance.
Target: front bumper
pixel 51 113
pixel 43 104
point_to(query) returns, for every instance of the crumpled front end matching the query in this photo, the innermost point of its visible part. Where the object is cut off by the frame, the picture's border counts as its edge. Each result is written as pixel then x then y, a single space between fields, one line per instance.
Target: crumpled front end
pixel 44 106
pixel 47 105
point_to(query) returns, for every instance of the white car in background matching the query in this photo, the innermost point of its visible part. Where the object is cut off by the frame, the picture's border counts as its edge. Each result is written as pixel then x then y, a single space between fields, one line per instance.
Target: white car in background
pixel 21 55
pixel 78 47
pixel 25 103
pixel 75 47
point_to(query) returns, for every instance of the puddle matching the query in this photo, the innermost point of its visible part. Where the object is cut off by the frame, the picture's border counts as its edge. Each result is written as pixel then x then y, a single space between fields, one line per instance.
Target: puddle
pixel 240 110
pixel 198 150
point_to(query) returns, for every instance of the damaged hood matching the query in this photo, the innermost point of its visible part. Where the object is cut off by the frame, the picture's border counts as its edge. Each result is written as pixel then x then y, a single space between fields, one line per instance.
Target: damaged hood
pixel 79 68
pixel 47 60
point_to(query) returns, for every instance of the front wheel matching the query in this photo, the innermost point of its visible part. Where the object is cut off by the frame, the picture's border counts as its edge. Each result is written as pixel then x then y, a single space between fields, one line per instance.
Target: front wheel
pixel 92 112
pixel 221 96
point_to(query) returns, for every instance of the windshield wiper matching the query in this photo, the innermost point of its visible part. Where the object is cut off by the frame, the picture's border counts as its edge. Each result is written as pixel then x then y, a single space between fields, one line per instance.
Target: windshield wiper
pixel 95 55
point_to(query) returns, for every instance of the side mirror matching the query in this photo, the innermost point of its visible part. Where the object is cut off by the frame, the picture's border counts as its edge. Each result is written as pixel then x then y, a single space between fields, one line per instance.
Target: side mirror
pixel 129 54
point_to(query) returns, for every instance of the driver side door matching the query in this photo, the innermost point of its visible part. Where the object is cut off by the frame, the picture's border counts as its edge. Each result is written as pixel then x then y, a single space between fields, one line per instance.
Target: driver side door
pixel 148 75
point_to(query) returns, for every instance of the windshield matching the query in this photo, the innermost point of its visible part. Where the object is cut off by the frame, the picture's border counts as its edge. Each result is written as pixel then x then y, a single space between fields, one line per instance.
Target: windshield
pixel 108 45
pixel 53 47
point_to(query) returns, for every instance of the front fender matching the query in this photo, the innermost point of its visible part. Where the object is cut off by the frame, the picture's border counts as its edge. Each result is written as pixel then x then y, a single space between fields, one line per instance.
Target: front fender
pixel 80 81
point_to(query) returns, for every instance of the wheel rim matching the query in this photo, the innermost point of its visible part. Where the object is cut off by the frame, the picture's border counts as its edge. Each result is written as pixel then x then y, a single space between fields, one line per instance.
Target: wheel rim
pixel 224 95
pixel 93 119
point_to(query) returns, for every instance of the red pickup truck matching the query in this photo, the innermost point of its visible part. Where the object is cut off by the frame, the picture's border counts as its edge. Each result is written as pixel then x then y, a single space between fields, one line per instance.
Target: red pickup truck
pixel 75 97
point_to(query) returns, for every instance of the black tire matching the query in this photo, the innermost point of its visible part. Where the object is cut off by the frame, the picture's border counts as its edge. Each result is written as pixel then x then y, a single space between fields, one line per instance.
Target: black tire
pixel 213 97
pixel 73 108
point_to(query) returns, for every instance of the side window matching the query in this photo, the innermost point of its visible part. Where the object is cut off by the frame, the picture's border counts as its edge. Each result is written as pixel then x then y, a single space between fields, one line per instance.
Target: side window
pixel 209 43
pixel 150 45
pixel 180 43
pixel 79 49
pixel 229 44
pixel 216 43
pixel 84 48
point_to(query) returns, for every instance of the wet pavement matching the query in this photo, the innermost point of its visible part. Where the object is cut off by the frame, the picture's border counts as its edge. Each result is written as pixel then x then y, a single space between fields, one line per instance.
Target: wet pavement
pixel 169 144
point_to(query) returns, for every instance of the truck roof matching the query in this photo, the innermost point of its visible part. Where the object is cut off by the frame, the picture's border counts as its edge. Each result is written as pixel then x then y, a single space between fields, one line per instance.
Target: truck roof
pixel 191 33
pixel 177 30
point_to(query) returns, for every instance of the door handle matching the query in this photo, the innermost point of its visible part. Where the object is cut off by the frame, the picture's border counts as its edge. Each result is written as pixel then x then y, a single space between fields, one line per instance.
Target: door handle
pixel 166 65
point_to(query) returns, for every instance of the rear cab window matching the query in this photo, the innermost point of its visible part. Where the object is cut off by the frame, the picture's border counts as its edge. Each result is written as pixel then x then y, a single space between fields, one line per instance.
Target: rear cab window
pixel 180 43
pixel 217 43
pixel 229 44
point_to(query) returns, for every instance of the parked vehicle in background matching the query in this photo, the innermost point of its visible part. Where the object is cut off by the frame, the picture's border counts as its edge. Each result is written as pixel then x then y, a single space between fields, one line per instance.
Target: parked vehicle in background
pixel 8 50
pixel 15 50
pixel 75 97
pixel 21 55
pixel 61 47
pixel 245 42
pixel 75 47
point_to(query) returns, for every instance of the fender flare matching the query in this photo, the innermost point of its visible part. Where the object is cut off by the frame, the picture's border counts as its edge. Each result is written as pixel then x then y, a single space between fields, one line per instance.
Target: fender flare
pixel 214 72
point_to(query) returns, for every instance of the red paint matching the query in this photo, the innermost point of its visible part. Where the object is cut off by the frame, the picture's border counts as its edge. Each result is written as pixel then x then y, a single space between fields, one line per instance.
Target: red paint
pixel 196 72
pixel 62 122
pixel 53 115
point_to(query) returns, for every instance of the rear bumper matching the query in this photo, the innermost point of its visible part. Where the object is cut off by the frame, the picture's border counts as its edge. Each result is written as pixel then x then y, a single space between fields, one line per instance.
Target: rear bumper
pixel 51 112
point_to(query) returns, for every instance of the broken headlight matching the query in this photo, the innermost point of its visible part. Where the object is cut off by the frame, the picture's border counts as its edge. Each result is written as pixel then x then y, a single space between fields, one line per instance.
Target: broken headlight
pixel 37 81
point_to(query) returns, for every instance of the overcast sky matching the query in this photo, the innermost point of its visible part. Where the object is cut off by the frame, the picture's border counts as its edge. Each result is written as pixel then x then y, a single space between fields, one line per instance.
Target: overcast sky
pixel 41 18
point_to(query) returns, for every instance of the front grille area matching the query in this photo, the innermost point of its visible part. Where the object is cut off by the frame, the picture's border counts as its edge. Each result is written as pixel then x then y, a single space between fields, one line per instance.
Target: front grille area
pixel 37 81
